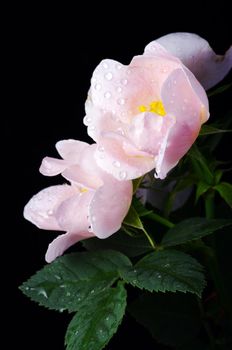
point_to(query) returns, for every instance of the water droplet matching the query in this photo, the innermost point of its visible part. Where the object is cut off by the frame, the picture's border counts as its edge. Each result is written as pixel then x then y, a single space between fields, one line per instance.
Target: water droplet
pixel 78 299
pixel 43 293
pixel 118 66
pixel 91 127
pixel 119 89
pixel 116 163
pixel 128 71
pixel 105 65
pixel 164 70
pixel 107 94
pixel 63 286
pixel 124 81
pixel 93 218
pixel 87 120
pixel 62 309
pixel 122 175
pixel 90 228
pixel 120 131
pixel 68 294
pixel 57 277
pixel 134 281
pixel 167 265
pixel 101 149
pixel 121 101
pixel 26 288
pixel 108 76
pixel 135 271
pixel 97 87
pixel 159 276
pixel 94 80
pixel 102 334
pixel 92 291
pixel 50 212
pixel 76 332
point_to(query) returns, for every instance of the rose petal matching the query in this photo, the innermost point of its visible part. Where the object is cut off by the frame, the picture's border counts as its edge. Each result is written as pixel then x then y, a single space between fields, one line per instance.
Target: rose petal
pixel 41 207
pixel 198 56
pixel 71 149
pixel 72 214
pixel 82 178
pixel 121 159
pixel 52 166
pixel 189 112
pixel 63 242
pixel 109 206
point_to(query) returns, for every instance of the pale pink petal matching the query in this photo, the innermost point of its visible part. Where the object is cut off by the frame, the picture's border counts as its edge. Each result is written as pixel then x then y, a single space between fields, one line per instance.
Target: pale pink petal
pixel 42 206
pixel 198 56
pixel 121 159
pixel 127 89
pixel 188 111
pixel 52 166
pixel 77 175
pixel 72 214
pixel 71 149
pixel 148 130
pixel 100 121
pixel 109 206
pixel 63 242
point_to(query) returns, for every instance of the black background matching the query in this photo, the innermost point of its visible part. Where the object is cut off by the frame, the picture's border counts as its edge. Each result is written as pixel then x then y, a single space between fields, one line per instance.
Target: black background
pixel 51 53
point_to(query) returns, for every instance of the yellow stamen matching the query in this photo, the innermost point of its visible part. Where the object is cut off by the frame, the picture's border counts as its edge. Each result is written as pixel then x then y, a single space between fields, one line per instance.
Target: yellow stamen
pixel 83 189
pixel 142 108
pixel 156 107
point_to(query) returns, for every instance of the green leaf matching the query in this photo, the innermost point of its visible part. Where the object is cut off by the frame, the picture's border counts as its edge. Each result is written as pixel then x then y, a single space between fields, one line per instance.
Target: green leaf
pixel 191 229
pixel 136 183
pixel 200 165
pixel 166 270
pixel 140 208
pixel 219 90
pixel 172 319
pixel 211 130
pixel 72 279
pixel 225 191
pixel 122 242
pixel 132 219
pixel 96 322
pixel 202 188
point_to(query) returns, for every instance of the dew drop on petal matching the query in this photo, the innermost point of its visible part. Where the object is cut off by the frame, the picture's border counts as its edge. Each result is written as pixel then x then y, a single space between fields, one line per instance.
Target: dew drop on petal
pixel 108 76
pixel 105 65
pixel 93 218
pixel 121 101
pixel 124 81
pixel 116 163
pixel 101 149
pixel 97 87
pixel 118 66
pixel 122 175
pixel 87 120
pixel 119 89
pixel 107 94
pixel 91 127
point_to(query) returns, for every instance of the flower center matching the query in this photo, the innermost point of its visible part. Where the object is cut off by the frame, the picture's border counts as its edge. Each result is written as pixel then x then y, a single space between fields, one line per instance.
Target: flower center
pixel 156 107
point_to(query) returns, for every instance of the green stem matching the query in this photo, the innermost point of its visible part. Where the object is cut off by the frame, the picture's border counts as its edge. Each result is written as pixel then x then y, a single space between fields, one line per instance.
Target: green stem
pixel 150 239
pixel 209 204
pixel 160 219
pixel 206 325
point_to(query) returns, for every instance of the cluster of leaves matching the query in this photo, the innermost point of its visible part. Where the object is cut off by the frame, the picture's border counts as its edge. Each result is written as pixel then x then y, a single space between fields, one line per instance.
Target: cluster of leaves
pixel 168 264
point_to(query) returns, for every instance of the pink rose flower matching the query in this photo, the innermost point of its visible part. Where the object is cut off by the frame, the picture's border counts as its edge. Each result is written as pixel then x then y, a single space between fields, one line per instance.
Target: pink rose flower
pixel 147 115
pixel 95 203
